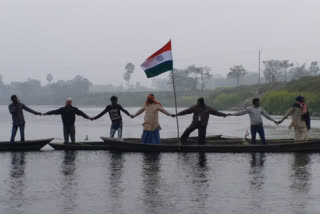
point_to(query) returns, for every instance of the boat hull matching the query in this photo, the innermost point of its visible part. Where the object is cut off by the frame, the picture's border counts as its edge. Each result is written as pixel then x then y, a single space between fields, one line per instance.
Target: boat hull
pixel 81 146
pixel 104 145
pixel 30 145
pixel 285 146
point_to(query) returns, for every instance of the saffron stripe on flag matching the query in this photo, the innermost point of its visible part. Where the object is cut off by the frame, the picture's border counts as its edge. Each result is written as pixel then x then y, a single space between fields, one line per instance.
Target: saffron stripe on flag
pixel 167 47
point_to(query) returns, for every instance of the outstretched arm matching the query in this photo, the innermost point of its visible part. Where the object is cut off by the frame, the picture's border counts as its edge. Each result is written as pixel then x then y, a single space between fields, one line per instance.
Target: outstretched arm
pixel 124 111
pixel 161 109
pixel 289 113
pixel 139 112
pixel 239 113
pixel 186 111
pixel 55 112
pixel 266 115
pixel 24 107
pixel 217 113
pixel 81 113
pixel 101 114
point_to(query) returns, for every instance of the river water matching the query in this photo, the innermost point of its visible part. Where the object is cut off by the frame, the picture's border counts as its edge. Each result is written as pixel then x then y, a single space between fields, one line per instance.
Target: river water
pixel 107 182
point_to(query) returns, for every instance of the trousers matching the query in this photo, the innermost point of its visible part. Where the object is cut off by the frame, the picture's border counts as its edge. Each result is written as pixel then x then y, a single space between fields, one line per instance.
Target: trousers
pixel 116 127
pixel 260 130
pixel 202 129
pixel 69 130
pixel 14 132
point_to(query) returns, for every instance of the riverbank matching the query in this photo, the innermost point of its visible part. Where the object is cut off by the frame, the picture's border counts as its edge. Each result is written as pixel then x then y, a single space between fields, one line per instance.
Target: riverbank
pixel 276 98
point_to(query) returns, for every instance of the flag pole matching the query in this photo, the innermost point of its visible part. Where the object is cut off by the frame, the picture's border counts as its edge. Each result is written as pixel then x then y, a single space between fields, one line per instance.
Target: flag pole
pixel 175 101
pixel 175 104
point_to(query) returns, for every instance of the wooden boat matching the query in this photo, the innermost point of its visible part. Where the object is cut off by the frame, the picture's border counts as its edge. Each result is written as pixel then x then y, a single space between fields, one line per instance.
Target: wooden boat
pixel 98 145
pixel 102 145
pixel 29 145
pixel 214 146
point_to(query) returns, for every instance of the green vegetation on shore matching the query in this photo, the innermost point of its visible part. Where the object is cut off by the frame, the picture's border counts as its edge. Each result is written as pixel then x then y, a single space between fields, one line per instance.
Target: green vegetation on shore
pixel 276 98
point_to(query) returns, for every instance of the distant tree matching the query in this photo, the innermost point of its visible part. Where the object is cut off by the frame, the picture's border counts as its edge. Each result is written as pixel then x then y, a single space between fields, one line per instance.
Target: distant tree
pixel 80 83
pixel 237 72
pixel 127 75
pixel 272 70
pixel 160 84
pixel 201 74
pixel 299 71
pixel 130 67
pixel 314 68
pixel 49 77
pixel 183 80
pixel 285 64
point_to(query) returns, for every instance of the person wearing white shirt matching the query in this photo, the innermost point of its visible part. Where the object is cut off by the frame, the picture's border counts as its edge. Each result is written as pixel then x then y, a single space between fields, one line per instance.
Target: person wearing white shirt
pixel 256 122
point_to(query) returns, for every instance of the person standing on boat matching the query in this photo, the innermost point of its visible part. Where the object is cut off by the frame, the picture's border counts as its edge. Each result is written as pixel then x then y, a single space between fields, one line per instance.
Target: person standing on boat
pixel 201 113
pixel 300 119
pixel 68 114
pixel 18 122
pixel 256 122
pixel 115 115
pixel 151 124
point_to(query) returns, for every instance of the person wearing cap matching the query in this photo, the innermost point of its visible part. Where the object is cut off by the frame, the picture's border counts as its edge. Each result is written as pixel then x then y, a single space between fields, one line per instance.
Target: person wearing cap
pixel 201 113
pixel 151 124
pixel 115 115
pixel 68 114
pixel 300 119
pixel 256 123
pixel 18 122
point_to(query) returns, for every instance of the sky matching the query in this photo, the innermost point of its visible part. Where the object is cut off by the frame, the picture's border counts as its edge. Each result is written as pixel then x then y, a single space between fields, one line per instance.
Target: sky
pixel 97 38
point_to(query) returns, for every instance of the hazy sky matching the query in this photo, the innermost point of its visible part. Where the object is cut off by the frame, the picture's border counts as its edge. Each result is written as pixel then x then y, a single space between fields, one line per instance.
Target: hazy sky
pixel 97 38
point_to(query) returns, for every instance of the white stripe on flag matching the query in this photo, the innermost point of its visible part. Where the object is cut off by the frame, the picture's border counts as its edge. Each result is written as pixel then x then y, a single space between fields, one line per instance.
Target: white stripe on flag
pixel 163 57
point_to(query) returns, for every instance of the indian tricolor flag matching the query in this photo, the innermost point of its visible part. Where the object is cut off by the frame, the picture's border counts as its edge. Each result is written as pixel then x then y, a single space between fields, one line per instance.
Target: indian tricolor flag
pixel 159 62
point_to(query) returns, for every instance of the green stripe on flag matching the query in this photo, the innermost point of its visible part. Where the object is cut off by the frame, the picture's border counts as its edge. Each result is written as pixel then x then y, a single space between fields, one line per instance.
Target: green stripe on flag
pixel 159 69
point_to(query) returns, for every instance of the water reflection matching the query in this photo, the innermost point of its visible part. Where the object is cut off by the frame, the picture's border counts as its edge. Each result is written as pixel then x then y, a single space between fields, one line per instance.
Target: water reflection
pixel 200 179
pixel 202 161
pixel 69 182
pixel 300 184
pixel 196 181
pixel 115 176
pixel 17 181
pixel 301 172
pixel 151 182
pixel 256 170
pixel 257 179
pixel 17 165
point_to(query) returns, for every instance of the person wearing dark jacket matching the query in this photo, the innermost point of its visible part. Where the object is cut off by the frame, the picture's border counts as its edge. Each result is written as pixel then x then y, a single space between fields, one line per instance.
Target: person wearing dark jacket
pixel 201 113
pixel 115 115
pixel 16 110
pixel 68 114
